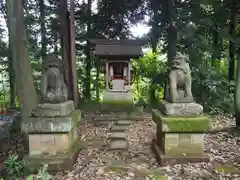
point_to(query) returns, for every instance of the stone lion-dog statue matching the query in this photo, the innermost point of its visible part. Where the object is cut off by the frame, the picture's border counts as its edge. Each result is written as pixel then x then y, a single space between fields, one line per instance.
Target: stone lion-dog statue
pixel 54 89
pixel 179 80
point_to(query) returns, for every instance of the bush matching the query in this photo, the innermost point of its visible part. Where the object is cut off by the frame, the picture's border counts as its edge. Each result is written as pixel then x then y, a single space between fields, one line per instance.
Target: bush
pixel 13 167
pixel 211 88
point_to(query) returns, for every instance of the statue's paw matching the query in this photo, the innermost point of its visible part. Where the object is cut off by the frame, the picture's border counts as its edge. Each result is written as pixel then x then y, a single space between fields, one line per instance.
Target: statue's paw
pixel 188 99
pixel 50 96
pixel 65 97
pixel 58 95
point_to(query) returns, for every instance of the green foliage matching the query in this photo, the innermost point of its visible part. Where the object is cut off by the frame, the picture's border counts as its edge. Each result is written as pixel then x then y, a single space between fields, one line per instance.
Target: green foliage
pixel 13 166
pixel 211 88
pixel 198 22
pixel 149 68
pixel 42 174
pixel 17 102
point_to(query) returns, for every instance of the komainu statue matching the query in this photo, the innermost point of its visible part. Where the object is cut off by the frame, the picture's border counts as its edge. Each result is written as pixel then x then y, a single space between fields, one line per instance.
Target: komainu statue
pixel 53 88
pixel 180 81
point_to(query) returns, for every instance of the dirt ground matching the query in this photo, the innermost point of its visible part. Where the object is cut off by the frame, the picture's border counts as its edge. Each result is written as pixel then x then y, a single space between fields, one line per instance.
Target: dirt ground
pixel 139 163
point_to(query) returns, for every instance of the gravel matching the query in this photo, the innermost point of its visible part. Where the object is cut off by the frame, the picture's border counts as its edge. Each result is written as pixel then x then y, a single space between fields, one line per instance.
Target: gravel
pixel 139 163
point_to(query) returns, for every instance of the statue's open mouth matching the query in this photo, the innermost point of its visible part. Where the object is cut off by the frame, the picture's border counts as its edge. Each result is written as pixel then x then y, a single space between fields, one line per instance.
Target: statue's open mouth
pixel 176 63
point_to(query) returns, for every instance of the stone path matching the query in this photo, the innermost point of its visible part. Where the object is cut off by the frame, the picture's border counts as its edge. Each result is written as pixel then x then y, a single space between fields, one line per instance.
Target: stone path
pixel 138 162
pixel 118 124
pixel 118 139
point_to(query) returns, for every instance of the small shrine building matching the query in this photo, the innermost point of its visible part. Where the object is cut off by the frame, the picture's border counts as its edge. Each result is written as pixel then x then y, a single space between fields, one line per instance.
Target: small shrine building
pixel 116 56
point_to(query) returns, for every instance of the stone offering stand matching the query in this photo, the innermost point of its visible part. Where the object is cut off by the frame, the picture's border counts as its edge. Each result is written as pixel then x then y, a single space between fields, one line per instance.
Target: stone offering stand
pixel 180 133
pixel 52 132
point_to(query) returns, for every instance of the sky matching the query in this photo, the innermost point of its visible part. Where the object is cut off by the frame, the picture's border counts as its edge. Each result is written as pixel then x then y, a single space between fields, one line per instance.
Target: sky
pixel 137 30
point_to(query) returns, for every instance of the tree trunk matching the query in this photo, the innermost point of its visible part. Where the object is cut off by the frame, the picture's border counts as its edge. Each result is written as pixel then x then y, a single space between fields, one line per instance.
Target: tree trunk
pixel 88 59
pixel 154 39
pixel 65 43
pixel 232 32
pixel 97 79
pixel 216 54
pixel 237 93
pixel 17 35
pixel 43 29
pixel 11 73
pixel 73 64
pixel 55 40
pixel 171 37
pixel 172 31
pixel 152 87
pixel 12 78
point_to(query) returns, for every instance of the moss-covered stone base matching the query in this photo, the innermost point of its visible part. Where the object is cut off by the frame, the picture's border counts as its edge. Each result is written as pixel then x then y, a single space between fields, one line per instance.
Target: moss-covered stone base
pixel 181 124
pixel 117 101
pixel 183 144
pixel 58 162
pixel 109 95
pixel 180 138
pixel 165 159
pixel 117 105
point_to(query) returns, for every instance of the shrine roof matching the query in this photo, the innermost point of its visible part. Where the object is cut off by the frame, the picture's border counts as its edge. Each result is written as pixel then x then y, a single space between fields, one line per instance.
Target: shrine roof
pixel 122 42
pixel 107 48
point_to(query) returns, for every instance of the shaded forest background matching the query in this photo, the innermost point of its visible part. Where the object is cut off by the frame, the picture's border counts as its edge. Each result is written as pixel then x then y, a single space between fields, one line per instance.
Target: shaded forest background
pixel 207 30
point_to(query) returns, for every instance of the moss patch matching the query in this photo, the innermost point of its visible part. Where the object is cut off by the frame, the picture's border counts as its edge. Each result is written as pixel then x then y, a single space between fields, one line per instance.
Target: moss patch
pixel 181 124
pixel 75 115
pixel 118 102
pixel 188 150
pixel 221 168
pixel 117 105
pixel 157 177
pixel 117 169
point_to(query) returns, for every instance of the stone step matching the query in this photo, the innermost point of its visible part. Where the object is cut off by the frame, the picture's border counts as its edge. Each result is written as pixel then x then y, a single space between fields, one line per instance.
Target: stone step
pixel 117 128
pixel 100 123
pixel 124 122
pixel 99 118
pixel 118 136
pixel 118 145
pixel 133 116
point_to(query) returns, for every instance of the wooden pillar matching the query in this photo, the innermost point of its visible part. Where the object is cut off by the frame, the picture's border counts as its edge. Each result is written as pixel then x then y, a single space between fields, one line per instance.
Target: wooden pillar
pixel 67 32
pixel 65 42
pixel 73 55
pixel 129 73
pixel 107 75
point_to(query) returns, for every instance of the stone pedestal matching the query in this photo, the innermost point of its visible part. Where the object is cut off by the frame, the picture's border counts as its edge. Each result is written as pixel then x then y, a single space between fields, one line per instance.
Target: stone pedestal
pixel 180 109
pixel 180 139
pixel 52 140
pixel 117 100
pixel 53 110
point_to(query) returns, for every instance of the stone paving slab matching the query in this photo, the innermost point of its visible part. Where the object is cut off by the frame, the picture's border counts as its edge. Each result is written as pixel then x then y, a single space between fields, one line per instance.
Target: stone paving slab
pixel 125 122
pixel 118 135
pixel 135 116
pixel 117 128
pixel 118 145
